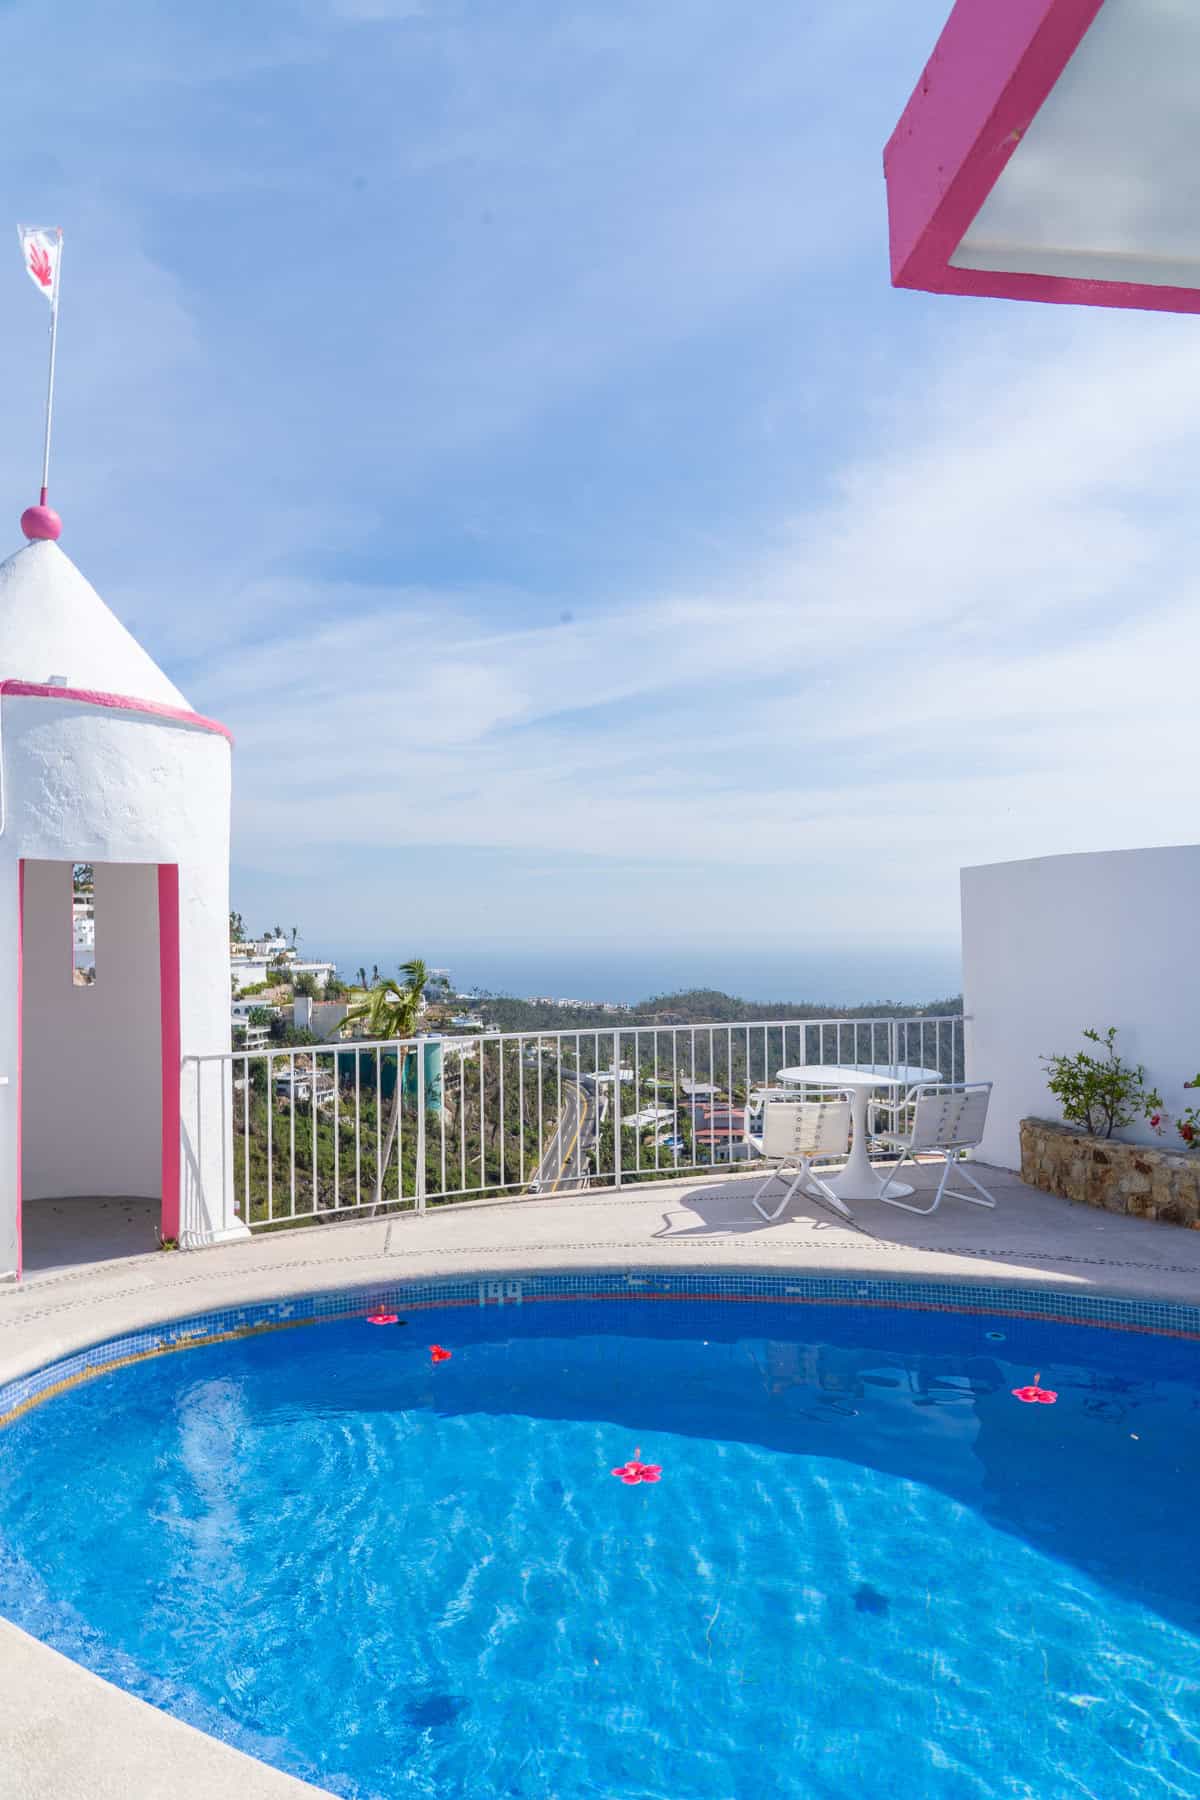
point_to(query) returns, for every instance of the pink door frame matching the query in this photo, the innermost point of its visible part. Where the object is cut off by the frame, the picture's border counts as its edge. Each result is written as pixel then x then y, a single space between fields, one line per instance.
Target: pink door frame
pixel 168 999
pixel 168 993
pixel 20 1056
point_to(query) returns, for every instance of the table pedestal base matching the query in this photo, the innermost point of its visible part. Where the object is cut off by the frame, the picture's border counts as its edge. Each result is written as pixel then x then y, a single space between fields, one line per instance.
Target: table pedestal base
pixel 858 1180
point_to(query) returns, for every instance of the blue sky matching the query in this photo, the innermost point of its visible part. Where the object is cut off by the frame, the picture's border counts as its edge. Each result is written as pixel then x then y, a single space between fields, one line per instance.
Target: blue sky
pixel 501 417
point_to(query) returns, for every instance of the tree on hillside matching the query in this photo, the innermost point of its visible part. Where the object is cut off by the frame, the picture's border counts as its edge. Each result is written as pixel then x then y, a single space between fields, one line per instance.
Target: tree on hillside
pixel 289 1035
pixel 391 1010
pixel 307 984
pixel 295 935
pixel 237 928
pixel 362 976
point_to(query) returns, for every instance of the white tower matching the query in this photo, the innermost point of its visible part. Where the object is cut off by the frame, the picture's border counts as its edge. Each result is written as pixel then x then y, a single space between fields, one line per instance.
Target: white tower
pixel 102 761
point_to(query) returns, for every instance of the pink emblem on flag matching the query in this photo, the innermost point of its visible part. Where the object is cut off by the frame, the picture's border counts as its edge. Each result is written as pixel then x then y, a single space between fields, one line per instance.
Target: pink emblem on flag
pixel 41 246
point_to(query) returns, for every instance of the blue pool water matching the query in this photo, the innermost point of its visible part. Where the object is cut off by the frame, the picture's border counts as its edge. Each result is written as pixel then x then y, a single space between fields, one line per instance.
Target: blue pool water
pixel 867 1568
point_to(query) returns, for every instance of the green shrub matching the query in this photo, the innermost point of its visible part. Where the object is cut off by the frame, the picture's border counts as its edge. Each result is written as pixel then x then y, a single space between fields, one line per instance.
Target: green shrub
pixel 1099 1092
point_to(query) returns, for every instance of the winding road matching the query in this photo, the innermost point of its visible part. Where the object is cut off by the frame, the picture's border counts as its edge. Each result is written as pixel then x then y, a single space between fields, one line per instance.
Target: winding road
pixel 562 1167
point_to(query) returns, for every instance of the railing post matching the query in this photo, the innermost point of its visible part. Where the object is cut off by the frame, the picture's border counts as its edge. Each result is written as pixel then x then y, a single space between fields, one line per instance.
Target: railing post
pixel 420 1055
pixel 616 1112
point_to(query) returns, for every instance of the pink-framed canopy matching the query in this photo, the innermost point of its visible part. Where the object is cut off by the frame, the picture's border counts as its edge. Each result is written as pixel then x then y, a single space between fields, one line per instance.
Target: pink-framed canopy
pixel 1051 151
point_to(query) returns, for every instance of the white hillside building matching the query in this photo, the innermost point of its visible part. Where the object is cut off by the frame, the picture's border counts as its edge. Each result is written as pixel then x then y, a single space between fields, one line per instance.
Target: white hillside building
pixel 103 761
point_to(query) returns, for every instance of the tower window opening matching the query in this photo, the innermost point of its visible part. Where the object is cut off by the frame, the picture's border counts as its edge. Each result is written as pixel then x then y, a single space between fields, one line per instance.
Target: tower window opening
pixel 83 925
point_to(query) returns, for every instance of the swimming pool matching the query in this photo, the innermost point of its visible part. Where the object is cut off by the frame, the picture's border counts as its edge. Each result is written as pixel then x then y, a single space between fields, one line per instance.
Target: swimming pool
pixel 867 1565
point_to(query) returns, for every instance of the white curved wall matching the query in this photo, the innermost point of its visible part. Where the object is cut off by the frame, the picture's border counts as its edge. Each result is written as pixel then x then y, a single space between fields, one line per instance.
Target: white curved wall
pixel 100 785
pixel 1059 943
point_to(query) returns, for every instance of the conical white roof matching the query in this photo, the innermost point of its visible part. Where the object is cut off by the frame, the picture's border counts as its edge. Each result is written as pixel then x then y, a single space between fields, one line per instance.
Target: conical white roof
pixel 54 623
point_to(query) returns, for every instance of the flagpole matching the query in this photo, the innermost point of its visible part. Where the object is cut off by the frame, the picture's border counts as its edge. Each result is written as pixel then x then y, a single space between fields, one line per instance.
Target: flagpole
pixel 50 382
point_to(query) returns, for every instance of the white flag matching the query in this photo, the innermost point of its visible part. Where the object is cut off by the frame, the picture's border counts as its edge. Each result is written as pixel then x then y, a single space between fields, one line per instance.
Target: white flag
pixel 41 246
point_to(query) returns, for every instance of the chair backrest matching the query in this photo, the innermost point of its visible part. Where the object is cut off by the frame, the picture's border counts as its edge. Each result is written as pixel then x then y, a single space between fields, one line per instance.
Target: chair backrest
pixel 949 1115
pixel 806 1127
pixel 761 1097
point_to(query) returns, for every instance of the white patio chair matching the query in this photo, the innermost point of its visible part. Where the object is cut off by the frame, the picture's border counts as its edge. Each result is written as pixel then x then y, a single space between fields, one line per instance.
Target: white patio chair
pixel 792 1132
pixel 945 1118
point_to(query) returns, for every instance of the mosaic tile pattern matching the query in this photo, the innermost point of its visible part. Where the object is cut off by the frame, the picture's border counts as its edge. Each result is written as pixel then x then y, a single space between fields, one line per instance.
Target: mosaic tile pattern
pixel 1162 1317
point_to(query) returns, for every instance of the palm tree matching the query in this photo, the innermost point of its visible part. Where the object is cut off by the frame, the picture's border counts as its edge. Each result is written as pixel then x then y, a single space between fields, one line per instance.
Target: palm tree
pixel 362 976
pixel 391 1010
pixel 295 935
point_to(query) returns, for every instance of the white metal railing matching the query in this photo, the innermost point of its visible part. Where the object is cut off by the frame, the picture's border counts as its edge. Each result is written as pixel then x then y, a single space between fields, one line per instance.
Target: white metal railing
pixel 344 1129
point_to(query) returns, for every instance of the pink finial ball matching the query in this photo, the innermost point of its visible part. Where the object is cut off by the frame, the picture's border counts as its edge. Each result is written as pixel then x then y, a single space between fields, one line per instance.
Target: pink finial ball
pixel 41 522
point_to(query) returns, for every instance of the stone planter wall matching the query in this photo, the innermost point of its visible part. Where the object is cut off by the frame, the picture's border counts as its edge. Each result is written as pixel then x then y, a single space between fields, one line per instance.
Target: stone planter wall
pixel 1122 1178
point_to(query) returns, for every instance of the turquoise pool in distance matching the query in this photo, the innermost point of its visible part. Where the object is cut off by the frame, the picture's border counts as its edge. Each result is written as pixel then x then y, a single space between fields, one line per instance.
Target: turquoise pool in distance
pixel 867 1567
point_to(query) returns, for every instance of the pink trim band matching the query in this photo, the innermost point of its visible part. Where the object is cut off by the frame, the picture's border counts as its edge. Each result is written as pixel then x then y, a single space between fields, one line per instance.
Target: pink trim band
pixel 179 715
pixel 993 68
pixel 168 996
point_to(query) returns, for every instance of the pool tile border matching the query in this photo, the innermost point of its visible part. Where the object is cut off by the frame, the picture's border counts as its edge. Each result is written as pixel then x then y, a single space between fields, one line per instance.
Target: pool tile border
pixel 1158 1317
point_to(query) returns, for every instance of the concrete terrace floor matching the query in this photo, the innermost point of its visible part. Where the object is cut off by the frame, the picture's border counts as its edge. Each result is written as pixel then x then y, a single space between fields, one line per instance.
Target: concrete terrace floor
pixel 65 1733
pixel 1030 1239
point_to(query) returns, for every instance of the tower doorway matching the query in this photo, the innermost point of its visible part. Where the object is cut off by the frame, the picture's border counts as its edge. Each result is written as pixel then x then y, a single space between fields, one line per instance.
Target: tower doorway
pixel 97 1027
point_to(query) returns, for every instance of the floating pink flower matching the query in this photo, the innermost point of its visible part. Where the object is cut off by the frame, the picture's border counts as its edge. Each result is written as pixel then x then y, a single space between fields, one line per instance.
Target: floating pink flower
pixel 635 1470
pixel 381 1316
pixel 437 1354
pixel 1035 1395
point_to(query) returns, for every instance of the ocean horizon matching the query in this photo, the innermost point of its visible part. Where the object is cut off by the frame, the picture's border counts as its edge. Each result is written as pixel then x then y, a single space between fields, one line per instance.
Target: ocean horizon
pixel 832 978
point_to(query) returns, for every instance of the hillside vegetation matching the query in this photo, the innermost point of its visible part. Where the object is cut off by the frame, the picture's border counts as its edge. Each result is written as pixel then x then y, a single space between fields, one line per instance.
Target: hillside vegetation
pixel 695 1006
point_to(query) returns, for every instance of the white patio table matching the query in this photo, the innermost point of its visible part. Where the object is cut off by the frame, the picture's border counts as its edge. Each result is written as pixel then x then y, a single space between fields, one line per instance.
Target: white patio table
pixel 858 1180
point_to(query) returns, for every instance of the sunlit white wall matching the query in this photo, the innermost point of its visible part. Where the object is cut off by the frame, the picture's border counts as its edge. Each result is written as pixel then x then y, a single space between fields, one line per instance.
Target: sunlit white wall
pixel 1059 943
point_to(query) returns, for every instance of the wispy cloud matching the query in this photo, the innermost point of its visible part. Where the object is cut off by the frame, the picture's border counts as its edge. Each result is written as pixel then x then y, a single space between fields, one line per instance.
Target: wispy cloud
pixel 982 647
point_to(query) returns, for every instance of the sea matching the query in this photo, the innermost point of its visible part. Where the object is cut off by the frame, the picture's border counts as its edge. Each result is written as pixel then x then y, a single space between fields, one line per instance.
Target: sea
pixel 833 977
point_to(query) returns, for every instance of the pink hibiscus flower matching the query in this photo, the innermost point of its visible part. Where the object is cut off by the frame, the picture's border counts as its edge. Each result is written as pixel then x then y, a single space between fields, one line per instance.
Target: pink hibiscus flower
pixel 1034 1394
pixel 635 1470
